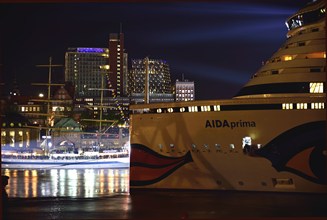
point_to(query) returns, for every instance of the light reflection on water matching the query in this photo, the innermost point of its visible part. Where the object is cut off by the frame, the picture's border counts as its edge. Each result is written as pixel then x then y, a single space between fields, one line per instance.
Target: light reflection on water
pixel 86 183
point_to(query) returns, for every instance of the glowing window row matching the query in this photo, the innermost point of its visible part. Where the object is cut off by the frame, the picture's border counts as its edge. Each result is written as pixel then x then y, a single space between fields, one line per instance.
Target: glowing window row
pixel 316 105
pixel 15 138
pixel 30 109
pixel 208 108
pixel 316 87
pixel 192 109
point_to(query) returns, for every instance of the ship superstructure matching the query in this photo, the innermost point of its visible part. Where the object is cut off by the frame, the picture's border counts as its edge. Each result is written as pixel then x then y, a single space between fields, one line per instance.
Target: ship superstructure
pixel 270 137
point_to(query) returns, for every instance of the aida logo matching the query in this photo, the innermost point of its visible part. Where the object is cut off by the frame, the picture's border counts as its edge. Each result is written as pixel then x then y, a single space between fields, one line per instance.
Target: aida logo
pixel 229 124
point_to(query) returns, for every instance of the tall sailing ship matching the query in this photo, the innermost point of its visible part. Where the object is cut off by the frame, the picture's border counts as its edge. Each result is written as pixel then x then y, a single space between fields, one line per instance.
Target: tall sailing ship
pixel 270 137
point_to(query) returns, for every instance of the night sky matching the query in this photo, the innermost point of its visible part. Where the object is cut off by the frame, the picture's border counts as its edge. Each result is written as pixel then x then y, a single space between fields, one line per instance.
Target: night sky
pixel 217 44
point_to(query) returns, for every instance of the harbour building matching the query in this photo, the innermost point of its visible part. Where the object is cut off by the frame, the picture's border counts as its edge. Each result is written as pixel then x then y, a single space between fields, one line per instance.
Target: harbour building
pixel 86 68
pixel 159 80
pixel 184 90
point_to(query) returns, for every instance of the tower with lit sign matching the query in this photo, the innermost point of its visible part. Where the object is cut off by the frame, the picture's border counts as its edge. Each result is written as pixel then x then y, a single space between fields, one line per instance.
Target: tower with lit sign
pixel 85 67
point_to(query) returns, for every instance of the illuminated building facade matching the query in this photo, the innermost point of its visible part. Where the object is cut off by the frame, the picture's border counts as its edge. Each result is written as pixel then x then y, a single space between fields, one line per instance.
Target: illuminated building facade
pixel 184 90
pixel 159 81
pixel 16 135
pixel 84 67
pixel 118 65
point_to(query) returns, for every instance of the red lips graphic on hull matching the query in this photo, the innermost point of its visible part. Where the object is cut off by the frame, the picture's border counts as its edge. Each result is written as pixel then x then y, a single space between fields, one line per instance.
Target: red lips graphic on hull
pixel 148 167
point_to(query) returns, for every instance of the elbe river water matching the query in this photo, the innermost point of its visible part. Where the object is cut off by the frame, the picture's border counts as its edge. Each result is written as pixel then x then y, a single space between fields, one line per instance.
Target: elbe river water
pixel 79 183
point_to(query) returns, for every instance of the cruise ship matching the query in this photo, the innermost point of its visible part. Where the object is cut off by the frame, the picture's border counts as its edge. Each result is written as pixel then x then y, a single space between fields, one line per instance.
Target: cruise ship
pixel 271 136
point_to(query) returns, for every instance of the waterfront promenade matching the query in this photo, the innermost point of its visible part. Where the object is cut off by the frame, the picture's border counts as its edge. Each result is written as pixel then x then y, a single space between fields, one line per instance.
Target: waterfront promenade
pixel 173 205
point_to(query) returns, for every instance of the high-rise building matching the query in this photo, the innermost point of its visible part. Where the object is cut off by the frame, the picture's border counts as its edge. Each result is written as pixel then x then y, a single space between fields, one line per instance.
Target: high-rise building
pixel 118 65
pixel 87 69
pixel 159 82
pixel 184 90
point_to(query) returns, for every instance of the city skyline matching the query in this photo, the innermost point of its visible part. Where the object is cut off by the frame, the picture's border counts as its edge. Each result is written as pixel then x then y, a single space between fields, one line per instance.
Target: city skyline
pixel 218 45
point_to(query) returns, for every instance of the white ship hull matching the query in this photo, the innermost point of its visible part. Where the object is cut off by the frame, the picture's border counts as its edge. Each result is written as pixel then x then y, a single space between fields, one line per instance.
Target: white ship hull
pixel 111 163
pixel 208 166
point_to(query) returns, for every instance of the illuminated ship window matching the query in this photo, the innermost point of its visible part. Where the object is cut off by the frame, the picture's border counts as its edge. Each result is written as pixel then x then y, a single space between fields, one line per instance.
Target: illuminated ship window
pixel 287 106
pixel 316 87
pixel 193 108
pixel 159 110
pixel 182 109
pixel 170 110
pixel 216 108
pixel 206 146
pixel 301 106
pixel 205 108
pixel 287 58
pixel 171 145
pixel 193 146
pixel 160 146
pixel 318 105
pixel 146 110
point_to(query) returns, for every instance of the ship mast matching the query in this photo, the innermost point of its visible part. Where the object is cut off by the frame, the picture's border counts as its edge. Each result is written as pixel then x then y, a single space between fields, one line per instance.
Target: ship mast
pixel 146 90
pixel 48 100
pixel 102 89
pixel 49 84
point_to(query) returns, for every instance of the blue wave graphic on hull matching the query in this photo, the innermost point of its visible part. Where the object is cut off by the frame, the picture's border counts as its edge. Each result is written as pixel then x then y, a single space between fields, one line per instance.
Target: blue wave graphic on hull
pixel 300 150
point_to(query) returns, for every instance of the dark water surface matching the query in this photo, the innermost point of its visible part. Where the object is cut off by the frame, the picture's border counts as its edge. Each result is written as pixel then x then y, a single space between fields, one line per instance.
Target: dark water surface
pixel 104 194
